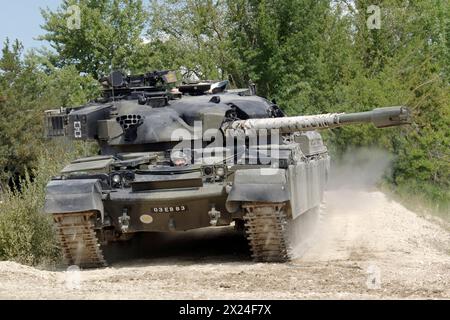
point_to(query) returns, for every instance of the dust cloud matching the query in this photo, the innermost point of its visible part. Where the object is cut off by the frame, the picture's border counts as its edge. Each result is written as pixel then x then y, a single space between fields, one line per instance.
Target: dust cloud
pixel 352 176
pixel 360 169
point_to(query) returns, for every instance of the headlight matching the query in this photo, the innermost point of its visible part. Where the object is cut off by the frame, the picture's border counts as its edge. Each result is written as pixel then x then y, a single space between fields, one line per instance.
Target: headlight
pixel 116 180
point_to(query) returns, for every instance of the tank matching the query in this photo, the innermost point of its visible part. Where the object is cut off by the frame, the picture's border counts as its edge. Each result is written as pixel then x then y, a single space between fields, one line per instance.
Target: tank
pixel 173 159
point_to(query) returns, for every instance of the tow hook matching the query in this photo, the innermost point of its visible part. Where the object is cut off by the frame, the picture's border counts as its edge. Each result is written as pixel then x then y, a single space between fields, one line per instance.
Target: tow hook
pixel 214 215
pixel 124 221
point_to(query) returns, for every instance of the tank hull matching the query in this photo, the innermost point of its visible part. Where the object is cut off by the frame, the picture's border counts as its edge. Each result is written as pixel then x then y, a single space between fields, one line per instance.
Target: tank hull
pixel 261 198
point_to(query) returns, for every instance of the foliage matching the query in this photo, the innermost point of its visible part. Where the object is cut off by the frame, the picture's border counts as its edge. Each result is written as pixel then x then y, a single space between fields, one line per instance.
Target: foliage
pixel 28 86
pixel 109 34
pixel 26 234
pixel 191 36
pixel 405 63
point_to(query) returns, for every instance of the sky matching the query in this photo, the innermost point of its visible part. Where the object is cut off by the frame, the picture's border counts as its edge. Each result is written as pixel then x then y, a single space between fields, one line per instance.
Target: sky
pixel 21 19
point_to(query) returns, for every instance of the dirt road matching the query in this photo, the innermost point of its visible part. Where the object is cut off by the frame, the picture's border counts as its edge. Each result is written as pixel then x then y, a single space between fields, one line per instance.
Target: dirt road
pixel 366 247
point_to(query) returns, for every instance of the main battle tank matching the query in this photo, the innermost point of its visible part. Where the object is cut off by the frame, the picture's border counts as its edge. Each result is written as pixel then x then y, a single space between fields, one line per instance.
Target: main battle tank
pixel 190 157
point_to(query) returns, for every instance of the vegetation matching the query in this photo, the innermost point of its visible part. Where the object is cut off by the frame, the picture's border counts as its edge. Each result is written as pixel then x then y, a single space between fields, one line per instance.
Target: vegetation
pixel 109 34
pixel 26 234
pixel 310 56
pixel 28 86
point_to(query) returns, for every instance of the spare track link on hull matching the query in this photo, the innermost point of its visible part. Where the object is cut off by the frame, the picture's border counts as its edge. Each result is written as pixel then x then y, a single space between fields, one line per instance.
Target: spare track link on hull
pixel 266 227
pixel 78 239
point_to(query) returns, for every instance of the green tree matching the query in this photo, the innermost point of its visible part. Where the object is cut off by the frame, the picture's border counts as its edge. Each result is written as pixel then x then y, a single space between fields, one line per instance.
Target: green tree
pixel 191 35
pixel 109 35
pixel 295 51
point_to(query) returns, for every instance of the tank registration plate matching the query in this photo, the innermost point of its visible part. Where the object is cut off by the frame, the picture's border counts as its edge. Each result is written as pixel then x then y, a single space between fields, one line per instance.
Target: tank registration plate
pixel 170 209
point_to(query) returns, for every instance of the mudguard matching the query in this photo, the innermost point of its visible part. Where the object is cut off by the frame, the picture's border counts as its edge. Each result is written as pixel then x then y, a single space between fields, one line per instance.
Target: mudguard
pixel 64 196
pixel 262 185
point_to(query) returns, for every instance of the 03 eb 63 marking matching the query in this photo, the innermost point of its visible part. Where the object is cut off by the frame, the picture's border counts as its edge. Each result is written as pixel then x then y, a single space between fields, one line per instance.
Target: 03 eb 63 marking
pixel 170 209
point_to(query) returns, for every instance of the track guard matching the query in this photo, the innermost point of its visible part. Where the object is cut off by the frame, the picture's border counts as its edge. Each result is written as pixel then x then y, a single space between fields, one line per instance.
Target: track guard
pixel 68 196
pixel 258 185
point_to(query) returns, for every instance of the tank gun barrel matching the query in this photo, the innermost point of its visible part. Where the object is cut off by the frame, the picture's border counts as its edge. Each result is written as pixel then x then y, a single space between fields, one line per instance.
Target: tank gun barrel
pixel 380 117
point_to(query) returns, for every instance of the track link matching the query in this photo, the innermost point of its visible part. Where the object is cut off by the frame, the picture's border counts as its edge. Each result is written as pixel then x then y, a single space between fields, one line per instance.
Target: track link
pixel 266 227
pixel 78 239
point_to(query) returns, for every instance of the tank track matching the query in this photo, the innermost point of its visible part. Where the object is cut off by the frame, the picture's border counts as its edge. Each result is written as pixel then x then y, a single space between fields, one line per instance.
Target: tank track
pixel 78 239
pixel 266 228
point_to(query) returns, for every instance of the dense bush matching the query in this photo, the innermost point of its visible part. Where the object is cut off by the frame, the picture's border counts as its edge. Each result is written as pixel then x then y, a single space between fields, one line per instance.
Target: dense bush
pixel 26 233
